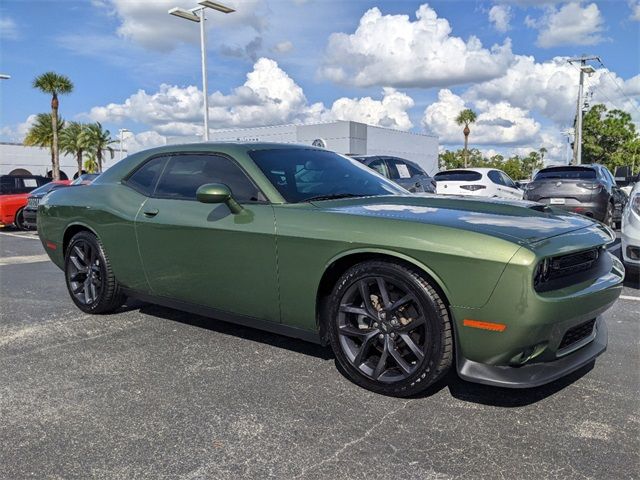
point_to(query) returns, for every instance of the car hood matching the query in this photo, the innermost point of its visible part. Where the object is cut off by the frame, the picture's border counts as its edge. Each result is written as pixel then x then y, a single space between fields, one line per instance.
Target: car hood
pixel 513 220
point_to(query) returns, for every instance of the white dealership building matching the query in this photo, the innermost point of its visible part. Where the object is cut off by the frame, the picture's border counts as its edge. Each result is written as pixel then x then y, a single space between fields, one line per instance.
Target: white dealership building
pixel 341 136
pixel 345 137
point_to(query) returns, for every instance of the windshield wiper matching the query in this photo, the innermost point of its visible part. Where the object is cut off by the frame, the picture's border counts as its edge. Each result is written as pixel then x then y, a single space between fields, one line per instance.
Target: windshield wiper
pixel 333 196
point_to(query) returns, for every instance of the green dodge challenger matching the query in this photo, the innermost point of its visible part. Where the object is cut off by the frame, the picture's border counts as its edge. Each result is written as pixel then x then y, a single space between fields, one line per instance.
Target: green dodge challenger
pixel 304 242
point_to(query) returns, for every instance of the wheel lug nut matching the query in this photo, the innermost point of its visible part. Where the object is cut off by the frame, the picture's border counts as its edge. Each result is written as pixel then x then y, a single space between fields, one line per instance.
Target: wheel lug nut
pixel 375 324
pixel 393 335
pixel 381 336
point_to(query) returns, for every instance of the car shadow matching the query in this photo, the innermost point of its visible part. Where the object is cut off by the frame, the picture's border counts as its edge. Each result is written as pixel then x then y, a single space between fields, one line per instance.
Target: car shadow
pixel 239 331
pixel 458 388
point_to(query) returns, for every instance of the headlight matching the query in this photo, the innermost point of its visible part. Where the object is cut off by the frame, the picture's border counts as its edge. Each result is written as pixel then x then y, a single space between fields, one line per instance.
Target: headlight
pixel 635 203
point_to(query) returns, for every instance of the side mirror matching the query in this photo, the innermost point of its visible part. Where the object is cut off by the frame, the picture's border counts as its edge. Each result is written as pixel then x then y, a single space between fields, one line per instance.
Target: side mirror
pixel 218 193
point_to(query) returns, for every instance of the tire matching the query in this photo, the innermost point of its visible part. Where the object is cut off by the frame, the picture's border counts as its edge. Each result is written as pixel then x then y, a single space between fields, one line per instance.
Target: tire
pixel 89 277
pixel 19 220
pixel 608 217
pixel 400 341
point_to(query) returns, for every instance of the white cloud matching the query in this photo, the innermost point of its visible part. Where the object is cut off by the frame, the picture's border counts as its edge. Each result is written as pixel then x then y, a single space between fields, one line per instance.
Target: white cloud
pixel 634 5
pixel 16 133
pixel 500 17
pixel 572 24
pixel 8 29
pixel 267 97
pixel 497 123
pixel 283 47
pixel 393 50
pixel 390 112
pixel 148 23
pixel 550 88
pixel 135 142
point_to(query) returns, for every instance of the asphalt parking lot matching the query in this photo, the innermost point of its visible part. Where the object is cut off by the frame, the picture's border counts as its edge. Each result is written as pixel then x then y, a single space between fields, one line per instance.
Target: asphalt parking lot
pixel 155 393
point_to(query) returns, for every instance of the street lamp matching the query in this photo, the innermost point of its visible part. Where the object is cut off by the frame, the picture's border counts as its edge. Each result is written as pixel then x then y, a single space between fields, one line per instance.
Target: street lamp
pixel 121 132
pixel 4 76
pixel 198 15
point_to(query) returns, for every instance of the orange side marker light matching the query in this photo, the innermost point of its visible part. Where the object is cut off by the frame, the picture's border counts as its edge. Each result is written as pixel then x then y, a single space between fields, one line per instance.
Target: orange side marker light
pixel 494 327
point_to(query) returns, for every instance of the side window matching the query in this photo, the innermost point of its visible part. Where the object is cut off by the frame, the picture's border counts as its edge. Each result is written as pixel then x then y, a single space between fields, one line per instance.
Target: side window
pixel 399 169
pixel 507 180
pixel 495 177
pixel 145 178
pixel 186 173
pixel 7 185
pixel 380 167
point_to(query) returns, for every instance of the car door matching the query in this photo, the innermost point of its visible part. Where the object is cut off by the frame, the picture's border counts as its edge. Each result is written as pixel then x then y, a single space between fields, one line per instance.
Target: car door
pixel 511 189
pixel 202 253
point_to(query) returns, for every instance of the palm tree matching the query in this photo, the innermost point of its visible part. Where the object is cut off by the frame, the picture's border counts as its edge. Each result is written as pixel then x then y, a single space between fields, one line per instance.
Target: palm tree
pixel 96 141
pixel 54 84
pixel 90 164
pixel 71 142
pixel 41 133
pixel 466 117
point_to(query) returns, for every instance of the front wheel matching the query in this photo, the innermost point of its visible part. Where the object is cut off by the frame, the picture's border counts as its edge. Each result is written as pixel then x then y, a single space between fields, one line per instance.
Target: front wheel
pixel 19 220
pixel 389 328
pixel 90 280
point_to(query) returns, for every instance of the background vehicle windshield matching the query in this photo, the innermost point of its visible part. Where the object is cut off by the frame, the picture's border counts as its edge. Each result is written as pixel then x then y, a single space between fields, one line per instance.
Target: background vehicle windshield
pixel 45 188
pixel 566 172
pixel 301 174
pixel 457 176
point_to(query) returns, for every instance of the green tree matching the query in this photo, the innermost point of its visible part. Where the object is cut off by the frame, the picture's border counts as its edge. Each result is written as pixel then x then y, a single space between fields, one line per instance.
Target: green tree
pixel 54 84
pixel 41 133
pixel 609 137
pixel 71 142
pixel 91 164
pixel 96 141
pixel 513 167
pixel 466 117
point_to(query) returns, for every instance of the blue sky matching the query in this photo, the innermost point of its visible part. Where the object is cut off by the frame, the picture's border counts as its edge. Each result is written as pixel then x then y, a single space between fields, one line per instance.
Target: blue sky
pixel 403 64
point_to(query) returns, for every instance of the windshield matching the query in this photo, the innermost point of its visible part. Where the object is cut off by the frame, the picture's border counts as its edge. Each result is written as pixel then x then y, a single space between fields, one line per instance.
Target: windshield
pixel 457 176
pixel 301 174
pixel 579 173
pixel 45 188
pixel 85 178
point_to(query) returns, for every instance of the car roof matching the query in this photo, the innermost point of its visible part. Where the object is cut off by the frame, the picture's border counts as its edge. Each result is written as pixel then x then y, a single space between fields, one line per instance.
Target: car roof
pixel 593 166
pixel 462 169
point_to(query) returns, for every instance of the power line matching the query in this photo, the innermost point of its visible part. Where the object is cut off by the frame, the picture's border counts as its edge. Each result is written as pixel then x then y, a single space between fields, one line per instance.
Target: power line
pixel 606 71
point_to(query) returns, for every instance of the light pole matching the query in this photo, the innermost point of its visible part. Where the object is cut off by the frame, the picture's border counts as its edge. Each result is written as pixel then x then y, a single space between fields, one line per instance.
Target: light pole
pixel 588 69
pixel 4 76
pixel 121 132
pixel 198 15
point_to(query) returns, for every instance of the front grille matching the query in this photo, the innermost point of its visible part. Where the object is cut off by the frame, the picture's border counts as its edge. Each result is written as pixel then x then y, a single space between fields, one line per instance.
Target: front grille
pixel 577 333
pixel 560 270
pixel 33 202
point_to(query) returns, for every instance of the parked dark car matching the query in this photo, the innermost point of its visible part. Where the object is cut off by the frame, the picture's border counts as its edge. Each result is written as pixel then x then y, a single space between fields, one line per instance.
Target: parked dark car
pixel 30 211
pixel 589 190
pixel 402 171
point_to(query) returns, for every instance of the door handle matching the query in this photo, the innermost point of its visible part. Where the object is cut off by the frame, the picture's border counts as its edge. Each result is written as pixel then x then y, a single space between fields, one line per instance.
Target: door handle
pixel 151 212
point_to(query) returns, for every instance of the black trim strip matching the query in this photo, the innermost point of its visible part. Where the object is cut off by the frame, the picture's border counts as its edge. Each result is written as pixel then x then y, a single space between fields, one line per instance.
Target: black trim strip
pixel 245 320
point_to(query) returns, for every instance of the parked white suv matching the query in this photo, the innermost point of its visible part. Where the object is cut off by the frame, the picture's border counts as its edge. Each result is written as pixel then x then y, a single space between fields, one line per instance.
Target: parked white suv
pixel 630 231
pixel 482 182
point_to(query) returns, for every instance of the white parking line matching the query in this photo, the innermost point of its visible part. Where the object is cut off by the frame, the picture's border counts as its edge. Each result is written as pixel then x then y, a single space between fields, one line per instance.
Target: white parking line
pixel 17 235
pixel 24 259
pixel 628 297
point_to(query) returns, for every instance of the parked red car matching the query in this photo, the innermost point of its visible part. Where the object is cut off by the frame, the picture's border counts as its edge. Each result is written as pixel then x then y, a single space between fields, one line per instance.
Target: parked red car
pixel 14 190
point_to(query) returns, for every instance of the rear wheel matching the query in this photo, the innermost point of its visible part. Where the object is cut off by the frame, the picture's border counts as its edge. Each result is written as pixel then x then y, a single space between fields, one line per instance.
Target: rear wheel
pixel 389 329
pixel 90 280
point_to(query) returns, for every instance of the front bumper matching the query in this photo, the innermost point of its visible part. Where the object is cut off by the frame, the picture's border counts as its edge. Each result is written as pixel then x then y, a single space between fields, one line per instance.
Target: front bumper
pixel 30 216
pixel 535 374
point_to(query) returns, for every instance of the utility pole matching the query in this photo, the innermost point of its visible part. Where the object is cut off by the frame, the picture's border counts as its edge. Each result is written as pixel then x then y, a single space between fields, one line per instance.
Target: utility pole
pixel 588 69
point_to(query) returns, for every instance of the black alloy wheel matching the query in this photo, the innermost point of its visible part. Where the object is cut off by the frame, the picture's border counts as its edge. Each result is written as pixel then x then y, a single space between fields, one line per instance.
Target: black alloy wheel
pixel 390 329
pixel 90 280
